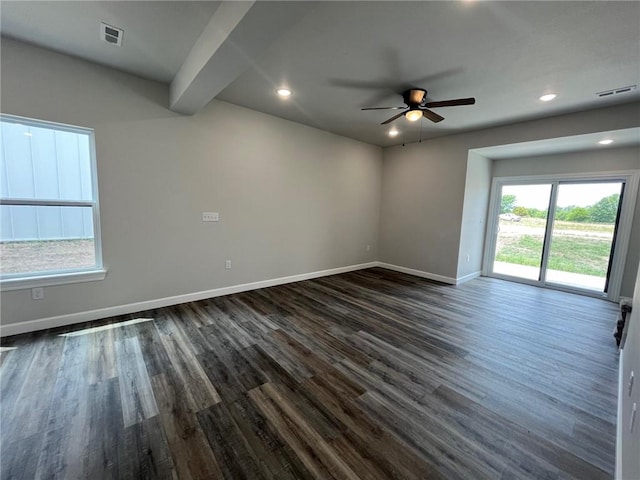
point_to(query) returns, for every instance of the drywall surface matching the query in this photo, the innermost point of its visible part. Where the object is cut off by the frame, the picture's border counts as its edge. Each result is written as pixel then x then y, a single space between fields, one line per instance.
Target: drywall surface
pixel 474 214
pixel 599 160
pixel 423 187
pixel 421 211
pixel 291 199
pixel 628 444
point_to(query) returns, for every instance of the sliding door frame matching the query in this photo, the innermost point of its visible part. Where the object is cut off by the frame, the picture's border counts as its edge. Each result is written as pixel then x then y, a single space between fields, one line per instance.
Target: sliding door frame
pixel 623 231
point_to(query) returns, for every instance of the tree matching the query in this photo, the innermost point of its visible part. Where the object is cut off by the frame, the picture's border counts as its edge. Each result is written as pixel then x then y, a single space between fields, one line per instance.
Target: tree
pixel 535 213
pixel 579 214
pixel 521 211
pixel 563 213
pixel 507 203
pixel 606 209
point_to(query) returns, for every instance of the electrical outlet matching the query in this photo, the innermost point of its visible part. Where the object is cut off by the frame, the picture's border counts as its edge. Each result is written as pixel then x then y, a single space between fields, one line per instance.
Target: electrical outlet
pixel 210 216
pixel 227 264
pixel 468 258
pixel 368 248
pixel 37 293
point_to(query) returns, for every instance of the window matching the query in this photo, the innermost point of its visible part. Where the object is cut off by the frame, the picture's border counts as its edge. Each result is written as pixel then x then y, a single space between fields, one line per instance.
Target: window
pixel 49 222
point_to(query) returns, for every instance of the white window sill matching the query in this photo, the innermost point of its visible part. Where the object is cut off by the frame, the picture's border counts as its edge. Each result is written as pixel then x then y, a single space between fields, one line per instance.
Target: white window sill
pixel 24 283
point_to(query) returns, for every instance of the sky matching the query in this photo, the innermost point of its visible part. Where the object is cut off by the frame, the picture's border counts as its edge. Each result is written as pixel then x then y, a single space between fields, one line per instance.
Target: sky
pixel 581 194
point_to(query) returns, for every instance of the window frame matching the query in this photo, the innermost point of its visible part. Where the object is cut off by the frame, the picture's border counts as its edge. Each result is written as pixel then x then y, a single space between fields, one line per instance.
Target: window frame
pixel 26 280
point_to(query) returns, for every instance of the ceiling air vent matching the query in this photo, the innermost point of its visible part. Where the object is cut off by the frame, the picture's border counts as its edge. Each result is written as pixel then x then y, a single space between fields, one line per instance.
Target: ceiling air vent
pixel 111 34
pixel 617 91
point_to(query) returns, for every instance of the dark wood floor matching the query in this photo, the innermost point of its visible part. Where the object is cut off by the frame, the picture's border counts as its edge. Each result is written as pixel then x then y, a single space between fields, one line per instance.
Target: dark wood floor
pixel 371 374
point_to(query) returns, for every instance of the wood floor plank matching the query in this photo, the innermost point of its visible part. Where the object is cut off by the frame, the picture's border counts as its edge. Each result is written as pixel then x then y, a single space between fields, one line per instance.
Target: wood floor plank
pixel 371 374
pixel 192 457
pixel 185 368
pixel 29 414
pixel 143 452
pixel 102 356
pixel 138 402
pixel 274 455
pixel 231 373
pixel 153 351
pixel 236 460
pixel 368 437
pixel 64 452
pixel 15 372
pixel 517 435
pixel 317 455
pixel 105 429
pixel 17 459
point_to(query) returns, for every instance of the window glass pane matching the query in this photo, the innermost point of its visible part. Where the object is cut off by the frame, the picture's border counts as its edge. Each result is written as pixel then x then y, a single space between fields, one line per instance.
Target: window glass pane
pixel 44 163
pixel 38 239
pixel 521 228
pixel 582 236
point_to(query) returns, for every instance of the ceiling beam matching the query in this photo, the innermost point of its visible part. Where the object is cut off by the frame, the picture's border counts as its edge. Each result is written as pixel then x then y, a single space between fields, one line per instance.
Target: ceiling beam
pixel 238 33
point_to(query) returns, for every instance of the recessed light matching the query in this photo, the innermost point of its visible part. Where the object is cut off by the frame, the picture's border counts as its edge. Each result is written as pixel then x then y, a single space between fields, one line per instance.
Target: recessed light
pixel 606 141
pixel 548 97
pixel 283 92
pixel 28 134
pixel 393 132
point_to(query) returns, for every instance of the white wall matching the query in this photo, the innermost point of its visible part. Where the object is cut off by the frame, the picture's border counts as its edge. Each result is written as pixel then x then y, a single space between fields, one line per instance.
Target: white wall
pixel 600 160
pixel 628 445
pixel 423 188
pixel 292 199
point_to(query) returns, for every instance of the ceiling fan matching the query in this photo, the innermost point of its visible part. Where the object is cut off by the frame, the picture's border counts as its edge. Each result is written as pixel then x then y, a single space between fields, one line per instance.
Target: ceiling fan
pixel 417 107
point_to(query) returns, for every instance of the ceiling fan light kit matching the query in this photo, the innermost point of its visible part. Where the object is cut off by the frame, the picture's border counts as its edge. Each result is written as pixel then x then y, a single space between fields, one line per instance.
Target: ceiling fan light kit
pixel 413 115
pixel 417 106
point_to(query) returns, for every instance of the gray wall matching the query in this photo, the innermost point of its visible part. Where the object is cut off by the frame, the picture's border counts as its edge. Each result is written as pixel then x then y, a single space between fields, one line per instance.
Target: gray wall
pixel 424 187
pixel 292 199
pixel 474 214
pixel 600 160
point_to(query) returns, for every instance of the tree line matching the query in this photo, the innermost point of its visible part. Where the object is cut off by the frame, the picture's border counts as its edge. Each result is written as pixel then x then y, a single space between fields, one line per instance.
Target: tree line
pixel 604 210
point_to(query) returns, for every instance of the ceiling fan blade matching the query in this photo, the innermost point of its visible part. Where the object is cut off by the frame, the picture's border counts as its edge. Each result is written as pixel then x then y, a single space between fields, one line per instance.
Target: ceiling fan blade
pixel 383 108
pixel 451 103
pixel 433 116
pixel 395 117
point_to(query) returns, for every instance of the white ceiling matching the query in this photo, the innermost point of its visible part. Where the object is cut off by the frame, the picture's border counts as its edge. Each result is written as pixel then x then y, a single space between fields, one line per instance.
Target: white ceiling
pixel 338 57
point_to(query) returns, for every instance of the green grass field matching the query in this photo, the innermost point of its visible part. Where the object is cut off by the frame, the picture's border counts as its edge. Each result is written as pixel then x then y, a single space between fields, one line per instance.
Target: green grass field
pixel 579 227
pixel 589 256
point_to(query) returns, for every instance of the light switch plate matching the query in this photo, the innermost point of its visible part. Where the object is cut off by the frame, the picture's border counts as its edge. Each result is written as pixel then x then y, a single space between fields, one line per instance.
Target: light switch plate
pixel 210 216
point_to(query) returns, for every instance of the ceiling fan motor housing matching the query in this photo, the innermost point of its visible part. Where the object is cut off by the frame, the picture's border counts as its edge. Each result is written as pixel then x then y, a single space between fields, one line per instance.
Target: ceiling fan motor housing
pixel 414 97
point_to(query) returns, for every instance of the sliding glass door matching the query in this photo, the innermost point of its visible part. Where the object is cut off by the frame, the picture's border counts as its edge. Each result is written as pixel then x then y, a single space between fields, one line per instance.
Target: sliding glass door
pixel 561 233
pixel 583 234
pixel 521 230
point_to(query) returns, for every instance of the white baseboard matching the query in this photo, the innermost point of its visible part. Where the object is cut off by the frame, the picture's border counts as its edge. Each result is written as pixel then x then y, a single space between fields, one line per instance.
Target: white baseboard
pixel 70 319
pixel 80 317
pixel 468 277
pixel 418 273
